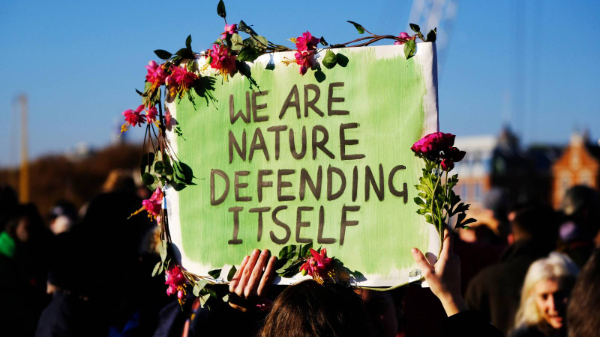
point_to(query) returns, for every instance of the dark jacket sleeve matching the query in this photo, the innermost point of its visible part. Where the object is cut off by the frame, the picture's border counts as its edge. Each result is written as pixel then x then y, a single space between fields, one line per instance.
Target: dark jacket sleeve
pixel 467 324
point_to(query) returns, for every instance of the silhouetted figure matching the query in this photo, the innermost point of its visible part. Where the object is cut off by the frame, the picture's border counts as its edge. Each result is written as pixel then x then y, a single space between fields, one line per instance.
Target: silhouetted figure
pixel 584 305
pixel 23 268
pixel 580 234
pixel 103 282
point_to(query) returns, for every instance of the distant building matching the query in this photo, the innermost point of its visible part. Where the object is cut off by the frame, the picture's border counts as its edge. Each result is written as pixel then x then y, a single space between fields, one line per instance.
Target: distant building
pixel 500 162
pixel 578 165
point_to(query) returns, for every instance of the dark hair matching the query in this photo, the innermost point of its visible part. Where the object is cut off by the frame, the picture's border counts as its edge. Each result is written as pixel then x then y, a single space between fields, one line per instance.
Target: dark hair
pixel 584 303
pixel 539 222
pixel 311 309
pixel 582 205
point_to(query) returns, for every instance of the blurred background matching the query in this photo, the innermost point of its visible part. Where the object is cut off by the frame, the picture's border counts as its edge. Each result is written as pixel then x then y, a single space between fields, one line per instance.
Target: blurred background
pixel 517 83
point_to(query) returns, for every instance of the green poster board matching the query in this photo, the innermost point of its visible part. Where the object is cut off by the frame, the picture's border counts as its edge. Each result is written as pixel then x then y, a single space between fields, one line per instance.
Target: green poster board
pixel 322 157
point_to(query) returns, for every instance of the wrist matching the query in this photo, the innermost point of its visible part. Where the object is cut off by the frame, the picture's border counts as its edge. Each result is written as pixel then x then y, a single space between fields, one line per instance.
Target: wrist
pixel 453 304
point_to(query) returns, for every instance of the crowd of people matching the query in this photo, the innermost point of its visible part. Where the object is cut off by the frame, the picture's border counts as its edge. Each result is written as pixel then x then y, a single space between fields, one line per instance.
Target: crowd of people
pixel 528 271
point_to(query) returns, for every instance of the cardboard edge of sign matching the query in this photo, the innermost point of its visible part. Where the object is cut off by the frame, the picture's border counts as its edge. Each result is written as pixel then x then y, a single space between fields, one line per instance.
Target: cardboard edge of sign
pixel 426 57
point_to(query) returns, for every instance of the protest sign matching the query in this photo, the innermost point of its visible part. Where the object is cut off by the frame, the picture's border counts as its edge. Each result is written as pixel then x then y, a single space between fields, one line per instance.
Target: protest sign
pixel 322 158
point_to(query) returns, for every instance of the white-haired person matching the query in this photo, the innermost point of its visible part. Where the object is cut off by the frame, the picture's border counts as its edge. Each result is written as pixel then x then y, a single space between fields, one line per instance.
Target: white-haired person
pixel 544 297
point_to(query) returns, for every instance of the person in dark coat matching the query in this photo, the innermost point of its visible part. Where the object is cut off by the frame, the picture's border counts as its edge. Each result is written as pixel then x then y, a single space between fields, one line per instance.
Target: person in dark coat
pixel 102 278
pixel 496 290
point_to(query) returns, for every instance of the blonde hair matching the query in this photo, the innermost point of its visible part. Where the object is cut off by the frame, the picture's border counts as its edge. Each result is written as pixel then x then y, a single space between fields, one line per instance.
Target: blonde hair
pixel 556 267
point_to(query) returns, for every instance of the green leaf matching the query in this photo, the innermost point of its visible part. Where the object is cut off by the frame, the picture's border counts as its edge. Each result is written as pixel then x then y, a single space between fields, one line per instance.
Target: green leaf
pixel 146 162
pixel 203 299
pixel 185 54
pixel 168 169
pixel 188 42
pixel 305 251
pixel 419 201
pixel 243 27
pixel 147 178
pixel 320 75
pixel 429 219
pixel 163 248
pixel 259 43
pixel 248 54
pixel 157 269
pixel 330 59
pixel 357 275
pixel 323 42
pixel 183 173
pixel 237 42
pixel 199 286
pixel 192 66
pixel 415 28
pixel 432 35
pixel 342 60
pixel 226 298
pixel 221 9
pixel 215 273
pixel 358 27
pixel 410 48
pixel 231 273
pixel 163 54
pixel 159 167
pixel 287 252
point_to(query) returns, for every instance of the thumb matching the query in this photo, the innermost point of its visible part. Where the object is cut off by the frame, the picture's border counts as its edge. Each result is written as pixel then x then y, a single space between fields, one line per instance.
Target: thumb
pixel 421 262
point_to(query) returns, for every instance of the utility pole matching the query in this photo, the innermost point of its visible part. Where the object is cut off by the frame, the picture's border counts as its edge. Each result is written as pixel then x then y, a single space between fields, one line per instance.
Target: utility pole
pixel 24 172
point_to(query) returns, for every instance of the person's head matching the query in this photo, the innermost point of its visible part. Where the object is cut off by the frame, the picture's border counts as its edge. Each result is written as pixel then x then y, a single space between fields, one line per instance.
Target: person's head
pixel 581 205
pixel 25 224
pixel 62 217
pixel 311 309
pixel 538 223
pixel 584 305
pixel 100 254
pixel 119 180
pixel 546 290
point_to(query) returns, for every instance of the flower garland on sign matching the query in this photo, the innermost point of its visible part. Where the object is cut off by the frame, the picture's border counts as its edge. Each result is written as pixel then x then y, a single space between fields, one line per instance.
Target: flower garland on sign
pixel 436 198
pixel 186 70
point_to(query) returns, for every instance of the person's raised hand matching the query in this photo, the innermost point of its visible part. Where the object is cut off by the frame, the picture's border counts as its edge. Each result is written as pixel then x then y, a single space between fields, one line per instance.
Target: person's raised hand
pixel 252 281
pixel 443 277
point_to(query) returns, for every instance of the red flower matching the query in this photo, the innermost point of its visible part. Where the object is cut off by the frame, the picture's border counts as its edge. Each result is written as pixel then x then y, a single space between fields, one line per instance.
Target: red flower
pixel 306 42
pixel 431 145
pixel 305 60
pixel 180 80
pixel 222 60
pixel 455 154
pixel 176 281
pixel 318 265
pixel 153 205
pixel 133 117
pixel 151 114
pixel 156 74
pixel 229 30
pixel 447 164
pixel 439 147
